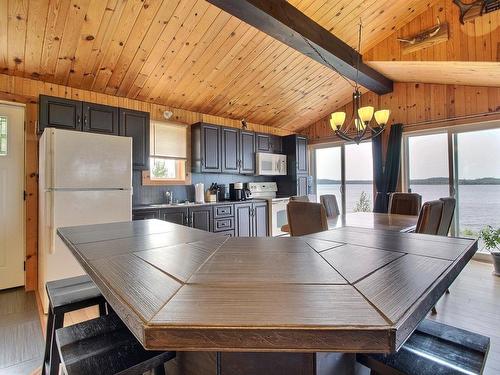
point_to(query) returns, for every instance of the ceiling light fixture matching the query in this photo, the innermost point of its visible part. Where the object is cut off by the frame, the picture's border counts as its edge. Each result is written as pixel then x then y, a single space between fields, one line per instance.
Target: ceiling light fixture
pixel 357 129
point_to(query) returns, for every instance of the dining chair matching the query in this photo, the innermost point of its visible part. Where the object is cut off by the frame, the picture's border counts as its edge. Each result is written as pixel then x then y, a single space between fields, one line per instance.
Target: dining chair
pixel 329 201
pixel 299 198
pixel 405 203
pixel 449 204
pixel 306 218
pixel 430 217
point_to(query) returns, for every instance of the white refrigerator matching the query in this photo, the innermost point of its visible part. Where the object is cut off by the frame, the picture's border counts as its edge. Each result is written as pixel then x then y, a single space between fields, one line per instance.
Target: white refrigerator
pixel 84 178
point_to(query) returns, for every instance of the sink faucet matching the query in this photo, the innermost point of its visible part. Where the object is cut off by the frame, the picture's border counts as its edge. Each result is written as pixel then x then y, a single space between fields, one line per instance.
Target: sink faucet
pixel 169 197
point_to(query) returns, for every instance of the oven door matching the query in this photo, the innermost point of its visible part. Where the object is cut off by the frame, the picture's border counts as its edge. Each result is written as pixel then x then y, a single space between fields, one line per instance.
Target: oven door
pixel 278 217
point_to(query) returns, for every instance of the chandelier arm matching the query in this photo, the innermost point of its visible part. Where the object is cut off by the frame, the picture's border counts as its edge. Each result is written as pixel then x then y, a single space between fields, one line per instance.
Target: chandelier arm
pixel 344 136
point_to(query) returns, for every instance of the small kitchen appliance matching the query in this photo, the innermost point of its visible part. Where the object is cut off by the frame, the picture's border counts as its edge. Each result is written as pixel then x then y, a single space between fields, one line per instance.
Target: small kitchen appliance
pixel 237 192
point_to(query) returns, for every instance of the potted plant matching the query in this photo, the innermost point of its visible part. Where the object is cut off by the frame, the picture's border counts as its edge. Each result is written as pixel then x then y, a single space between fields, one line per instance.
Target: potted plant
pixel 491 238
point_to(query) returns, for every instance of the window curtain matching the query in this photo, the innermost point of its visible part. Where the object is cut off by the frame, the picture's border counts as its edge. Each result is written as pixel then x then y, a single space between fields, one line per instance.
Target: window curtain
pixel 386 177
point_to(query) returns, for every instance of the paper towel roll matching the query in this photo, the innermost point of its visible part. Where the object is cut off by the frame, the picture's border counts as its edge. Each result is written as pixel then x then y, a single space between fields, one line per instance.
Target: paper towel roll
pixel 199 193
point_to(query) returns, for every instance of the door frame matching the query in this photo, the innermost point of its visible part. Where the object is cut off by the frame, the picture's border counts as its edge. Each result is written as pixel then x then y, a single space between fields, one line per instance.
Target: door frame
pixel 23 213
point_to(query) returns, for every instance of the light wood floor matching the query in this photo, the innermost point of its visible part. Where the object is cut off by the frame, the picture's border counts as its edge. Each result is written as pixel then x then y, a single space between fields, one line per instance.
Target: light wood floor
pixel 473 304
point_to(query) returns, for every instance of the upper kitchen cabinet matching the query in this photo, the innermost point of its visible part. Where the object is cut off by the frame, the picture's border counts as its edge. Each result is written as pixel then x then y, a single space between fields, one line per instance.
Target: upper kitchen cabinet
pixel 295 147
pixel 247 152
pixel 135 124
pixel 230 151
pixel 268 143
pixel 59 113
pixel 206 148
pixel 98 118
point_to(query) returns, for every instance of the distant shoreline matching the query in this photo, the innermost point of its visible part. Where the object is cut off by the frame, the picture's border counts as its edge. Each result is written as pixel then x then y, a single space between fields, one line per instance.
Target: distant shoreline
pixel 427 181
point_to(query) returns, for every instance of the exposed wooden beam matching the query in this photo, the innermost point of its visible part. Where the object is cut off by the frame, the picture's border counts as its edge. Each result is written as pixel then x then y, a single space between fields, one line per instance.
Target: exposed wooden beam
pixel 287 24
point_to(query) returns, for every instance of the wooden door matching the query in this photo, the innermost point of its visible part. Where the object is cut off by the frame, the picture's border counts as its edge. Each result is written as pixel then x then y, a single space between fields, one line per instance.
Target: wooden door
pixel 230 150
pixel 98 118
pixel 260 219
pixel 210 148
pixel 135 124
pixel 201 218
pixel 59 113
pixel 263 142
pixel 247 152
pixel 11 196
pixel 301 153
pixel 175 215
pixel 243 219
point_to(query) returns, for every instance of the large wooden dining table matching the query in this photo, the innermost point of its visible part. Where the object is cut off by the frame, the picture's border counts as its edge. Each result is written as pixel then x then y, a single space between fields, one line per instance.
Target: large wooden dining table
pixel 344 290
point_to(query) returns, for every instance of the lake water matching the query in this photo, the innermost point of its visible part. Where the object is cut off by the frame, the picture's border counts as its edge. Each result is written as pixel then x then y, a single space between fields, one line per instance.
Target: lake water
pixel 479 205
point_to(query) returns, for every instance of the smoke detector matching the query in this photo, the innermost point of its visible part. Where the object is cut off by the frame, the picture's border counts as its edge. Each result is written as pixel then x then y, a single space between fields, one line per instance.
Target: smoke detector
pixel 167 115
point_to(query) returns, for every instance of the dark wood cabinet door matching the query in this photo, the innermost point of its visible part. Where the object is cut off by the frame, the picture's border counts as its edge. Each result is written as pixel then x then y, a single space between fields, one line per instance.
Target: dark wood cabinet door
pixel 260 219
pixel 230 150
pixel 59 113
pixel 247 152
pixel 301 185
pixel 135 124
pixel 201 218
pixel 210 148
pixel 98 118
pixel 263 142
pixel 243 219
pixel 175 215
pixel 145 214
pixel 276 144
pixel 301 155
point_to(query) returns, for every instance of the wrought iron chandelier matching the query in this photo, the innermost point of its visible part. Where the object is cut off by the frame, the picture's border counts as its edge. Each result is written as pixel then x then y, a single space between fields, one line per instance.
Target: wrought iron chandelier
pixel 360 127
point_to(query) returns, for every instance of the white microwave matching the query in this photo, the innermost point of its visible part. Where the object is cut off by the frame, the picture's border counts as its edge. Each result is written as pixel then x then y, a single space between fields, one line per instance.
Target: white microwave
pixel 270 164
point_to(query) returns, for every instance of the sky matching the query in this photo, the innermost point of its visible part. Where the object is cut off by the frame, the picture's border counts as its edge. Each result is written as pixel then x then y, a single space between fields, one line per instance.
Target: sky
pixel 478 156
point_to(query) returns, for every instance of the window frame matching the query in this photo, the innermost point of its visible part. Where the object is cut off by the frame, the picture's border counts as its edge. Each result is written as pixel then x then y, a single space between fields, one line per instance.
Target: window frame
pixel 343 191
pixel 6 137
pixel 185 167
pixel 452 132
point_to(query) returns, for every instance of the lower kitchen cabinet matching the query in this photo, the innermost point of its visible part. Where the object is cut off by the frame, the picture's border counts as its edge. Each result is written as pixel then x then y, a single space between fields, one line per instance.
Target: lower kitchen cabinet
pixel 246 219
pixel 201 217
pixel 251 219
pixel 177 215
pixel 145 214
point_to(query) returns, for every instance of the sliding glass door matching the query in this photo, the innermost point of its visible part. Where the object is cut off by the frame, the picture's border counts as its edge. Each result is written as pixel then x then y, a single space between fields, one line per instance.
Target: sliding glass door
pixel 463 162
pixel 347 172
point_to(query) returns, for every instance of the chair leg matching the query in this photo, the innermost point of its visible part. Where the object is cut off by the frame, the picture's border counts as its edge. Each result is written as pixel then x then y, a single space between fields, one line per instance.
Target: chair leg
pixel 102 309
pixel 447 291
pixel 49 338
pixel 54 353
pixel 159 370
pixel 434 311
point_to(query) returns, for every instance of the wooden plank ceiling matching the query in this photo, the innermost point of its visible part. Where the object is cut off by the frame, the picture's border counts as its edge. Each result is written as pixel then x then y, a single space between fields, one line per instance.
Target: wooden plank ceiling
pixel 189 54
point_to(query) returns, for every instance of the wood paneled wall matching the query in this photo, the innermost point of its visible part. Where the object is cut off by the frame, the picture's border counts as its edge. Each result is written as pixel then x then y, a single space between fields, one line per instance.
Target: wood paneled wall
pixel 422 106
pixel 478 40
pixel 24 90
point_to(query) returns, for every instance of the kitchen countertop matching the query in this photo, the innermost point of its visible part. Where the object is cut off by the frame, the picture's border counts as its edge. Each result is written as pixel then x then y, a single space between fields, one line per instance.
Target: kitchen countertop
pixel 343 290
pixel 153 206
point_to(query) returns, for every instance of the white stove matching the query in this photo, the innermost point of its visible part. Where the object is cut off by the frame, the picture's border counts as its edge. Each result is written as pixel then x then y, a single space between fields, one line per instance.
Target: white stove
pixel 277 206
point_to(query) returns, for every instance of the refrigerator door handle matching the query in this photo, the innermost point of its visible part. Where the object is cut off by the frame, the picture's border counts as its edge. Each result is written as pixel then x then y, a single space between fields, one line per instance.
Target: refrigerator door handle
pixel 49 217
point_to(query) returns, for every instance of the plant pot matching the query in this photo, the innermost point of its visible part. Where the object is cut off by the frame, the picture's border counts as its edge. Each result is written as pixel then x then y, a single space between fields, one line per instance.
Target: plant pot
pixel 496 262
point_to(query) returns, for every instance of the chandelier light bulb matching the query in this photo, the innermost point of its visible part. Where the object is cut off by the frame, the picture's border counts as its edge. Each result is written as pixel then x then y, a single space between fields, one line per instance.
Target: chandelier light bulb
pixel 337 120
pixel 366 114
pixel 382 116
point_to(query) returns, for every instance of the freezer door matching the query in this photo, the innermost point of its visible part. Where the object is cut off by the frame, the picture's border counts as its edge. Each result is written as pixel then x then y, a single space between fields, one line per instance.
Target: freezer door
pixel 70 208
pixel 76 160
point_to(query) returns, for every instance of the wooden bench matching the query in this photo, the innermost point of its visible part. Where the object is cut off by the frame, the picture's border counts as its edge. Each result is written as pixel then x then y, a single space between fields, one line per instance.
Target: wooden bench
pixel 105 346
pixel 433 349
pixel 66 295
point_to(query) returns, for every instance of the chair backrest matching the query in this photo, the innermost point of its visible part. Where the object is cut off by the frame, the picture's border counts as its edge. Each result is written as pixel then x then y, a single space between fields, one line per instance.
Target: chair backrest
pixel 329 201
pixel 405 203
pixel 306 218
pixel 430 217
pixel 449 204
pixel 299 198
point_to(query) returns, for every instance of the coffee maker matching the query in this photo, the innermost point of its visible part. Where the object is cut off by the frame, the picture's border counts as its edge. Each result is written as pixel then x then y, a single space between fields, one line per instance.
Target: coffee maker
pixel 236 192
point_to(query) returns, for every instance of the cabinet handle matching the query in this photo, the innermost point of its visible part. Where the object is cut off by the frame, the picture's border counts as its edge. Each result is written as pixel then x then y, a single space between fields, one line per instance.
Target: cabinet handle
pixel 202 162
pixel 85 120
pixel 78 119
